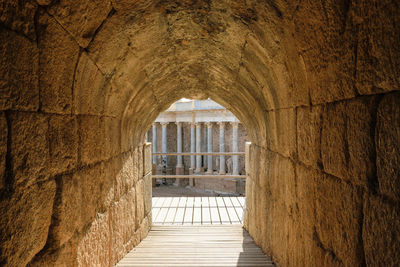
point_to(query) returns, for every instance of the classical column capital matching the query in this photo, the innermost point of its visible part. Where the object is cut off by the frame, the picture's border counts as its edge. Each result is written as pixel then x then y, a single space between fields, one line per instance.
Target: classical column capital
pixel 209 124
pixel 234 123
pixel 221 124
pixel 192 124
pixel 198 123
pixel 178 123
pixel 164 124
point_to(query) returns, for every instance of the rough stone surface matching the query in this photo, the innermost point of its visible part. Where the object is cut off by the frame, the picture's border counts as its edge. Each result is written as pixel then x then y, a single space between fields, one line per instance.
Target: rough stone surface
pixel 89 88
pixel 56 73
pixel 19 64
pixel 94 248
pixel 275 64
pixel 91 136
pixel 81 18
pixel 309 126
pixel 29 147
pixel 347 144
pixel 388 146
pixel 36 204
pixel 338 215
pixel 63 143
pixel 123 224
pixel 147 197
pixel 19 16
pixel 140 213
pixel 381 219
pixel 3 148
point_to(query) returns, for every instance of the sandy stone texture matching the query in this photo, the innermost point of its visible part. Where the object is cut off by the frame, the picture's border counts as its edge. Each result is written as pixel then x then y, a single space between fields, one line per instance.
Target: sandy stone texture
pixel 387 140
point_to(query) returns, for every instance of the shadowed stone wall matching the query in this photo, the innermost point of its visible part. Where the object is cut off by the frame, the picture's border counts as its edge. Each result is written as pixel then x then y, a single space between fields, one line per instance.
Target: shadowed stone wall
pixel 313 83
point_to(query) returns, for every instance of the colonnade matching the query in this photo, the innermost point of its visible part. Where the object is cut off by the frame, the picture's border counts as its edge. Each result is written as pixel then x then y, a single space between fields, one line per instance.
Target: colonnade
pixel 197 138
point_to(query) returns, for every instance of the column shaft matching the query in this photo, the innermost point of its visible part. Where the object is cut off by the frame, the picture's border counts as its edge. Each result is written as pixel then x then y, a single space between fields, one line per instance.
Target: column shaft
pixel 209 148
pixel 164 142
pixel 235 158
pixel 154 142
pixel 179 143
pixel 192 146
pixel 221 148
pixel 198 147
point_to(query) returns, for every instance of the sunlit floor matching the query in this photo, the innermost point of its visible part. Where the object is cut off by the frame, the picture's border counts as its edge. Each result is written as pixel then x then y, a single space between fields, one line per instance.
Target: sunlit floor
pixel 197 210
pixel 197 231
pixel 196 245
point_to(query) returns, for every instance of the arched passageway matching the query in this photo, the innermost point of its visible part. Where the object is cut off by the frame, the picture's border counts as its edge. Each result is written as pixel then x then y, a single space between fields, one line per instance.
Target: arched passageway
pixel 313 83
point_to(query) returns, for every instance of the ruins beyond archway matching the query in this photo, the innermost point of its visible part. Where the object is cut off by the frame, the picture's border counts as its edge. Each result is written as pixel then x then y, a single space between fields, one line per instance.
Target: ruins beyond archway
pixel 313 83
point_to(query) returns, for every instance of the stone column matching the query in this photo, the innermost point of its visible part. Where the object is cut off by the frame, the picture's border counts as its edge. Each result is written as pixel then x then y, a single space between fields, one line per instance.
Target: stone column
pixel 209 148
pixel 198 147
pixel 235 158
pixel 192 148
pixel 154 142
pixel 179 164
pixel 164 142
pixel 221 147
pixel 205 147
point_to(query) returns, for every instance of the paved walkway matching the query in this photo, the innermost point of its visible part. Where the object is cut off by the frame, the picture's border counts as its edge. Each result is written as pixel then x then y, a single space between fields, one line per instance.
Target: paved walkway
pixel 204 245
pixel 197 210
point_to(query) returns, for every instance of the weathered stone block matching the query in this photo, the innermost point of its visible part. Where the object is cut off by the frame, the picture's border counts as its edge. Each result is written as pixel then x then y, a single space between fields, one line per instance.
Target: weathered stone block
pixel 91 130
pixel 3 148
pixel 123 223
pixel 139 202
pixel 387 141
pixel 95 246
pixel 125 175
pixel 19 63
pixel 144 228
pixel 57 61
pixel 63 256
pixel 309 135
pixel 338 214
pixel 147 159
pixel 140 162
pixel 281 132
pixel 90 88
pixel 112 136
pixel 63 143
pixel 67 209
pixel 81 18
pixel 29 147
pixel 147 194
pixel 359 136
pixel 378 60
pixel 19 16
pixel 29 208
pixel 305 190
pixel 381 232
pixel 347 145
pixel 95 181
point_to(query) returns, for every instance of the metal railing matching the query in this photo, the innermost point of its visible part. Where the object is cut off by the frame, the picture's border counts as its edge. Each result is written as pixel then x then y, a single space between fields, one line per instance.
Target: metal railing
pixel 197 176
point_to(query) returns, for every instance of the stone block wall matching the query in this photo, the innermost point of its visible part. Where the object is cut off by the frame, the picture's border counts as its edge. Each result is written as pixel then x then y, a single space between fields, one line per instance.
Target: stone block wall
pixel 80 211
pixel 328 196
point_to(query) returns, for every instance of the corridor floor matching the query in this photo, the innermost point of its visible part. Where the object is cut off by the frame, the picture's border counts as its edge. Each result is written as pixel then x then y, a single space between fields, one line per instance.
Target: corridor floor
pixel 197 210
pixel 203 245
pixel 197 231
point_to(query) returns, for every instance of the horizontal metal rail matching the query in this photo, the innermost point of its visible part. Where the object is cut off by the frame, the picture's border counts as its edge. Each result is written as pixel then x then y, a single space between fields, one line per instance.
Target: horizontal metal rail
pixel 198 153
pixel 202 176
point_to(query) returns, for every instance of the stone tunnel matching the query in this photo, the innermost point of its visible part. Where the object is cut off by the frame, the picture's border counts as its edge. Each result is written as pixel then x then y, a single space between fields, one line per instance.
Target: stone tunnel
pixel 315 84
